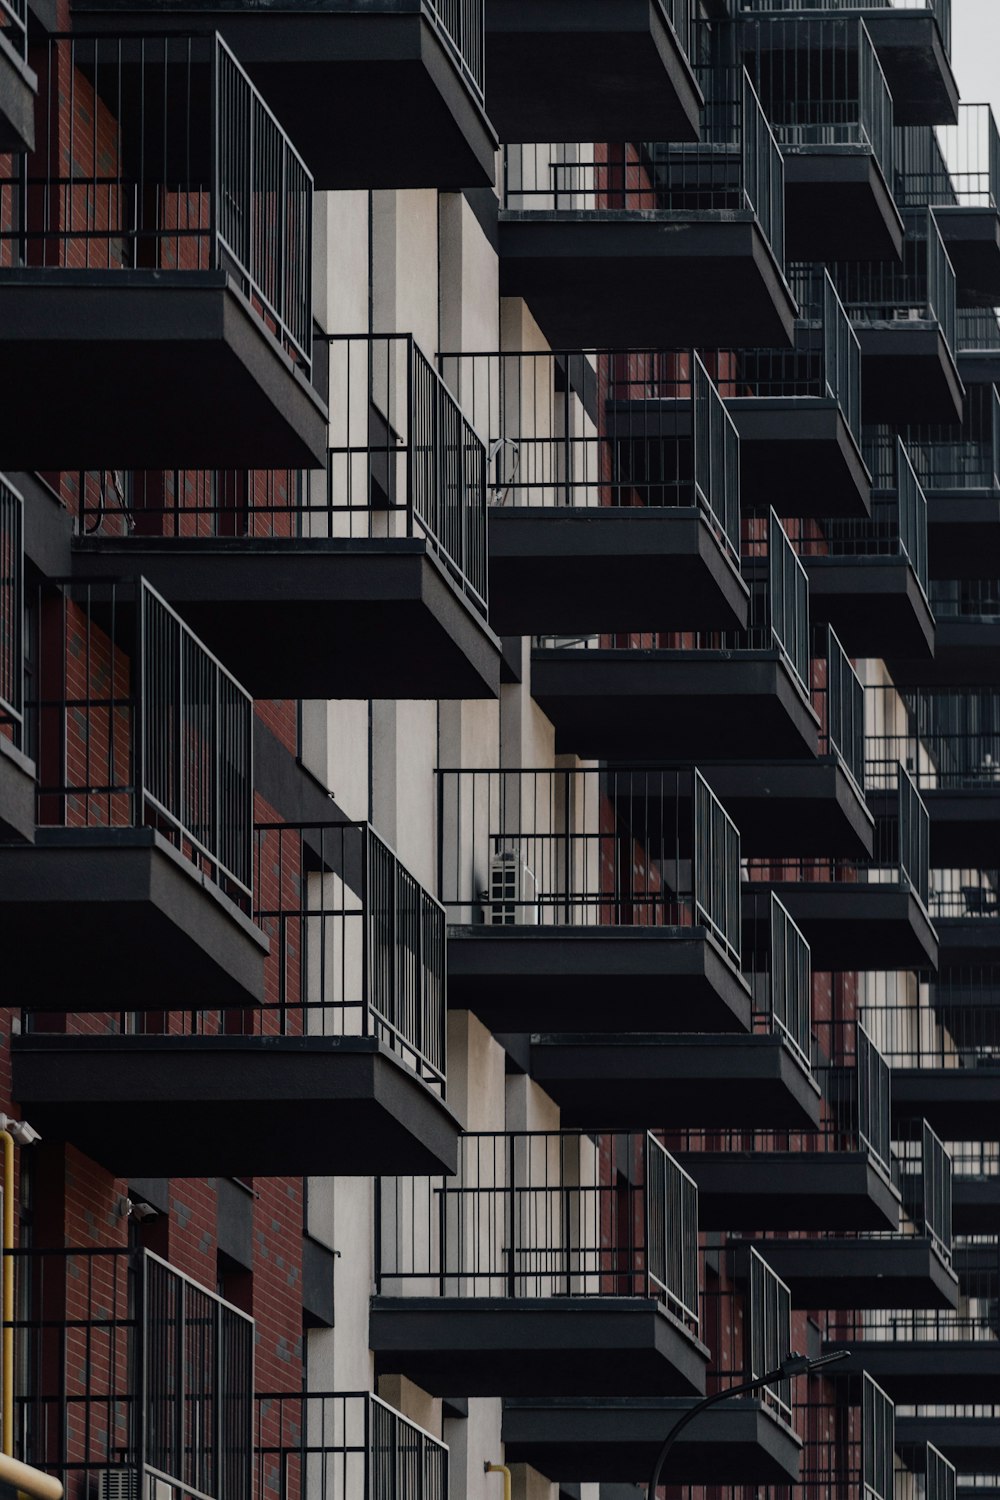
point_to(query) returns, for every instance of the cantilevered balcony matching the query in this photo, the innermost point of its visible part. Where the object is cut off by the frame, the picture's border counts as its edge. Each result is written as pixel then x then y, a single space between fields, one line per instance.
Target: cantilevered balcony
pixel 554 1263
pixel 18 82
pixel 950 741
pixel 958 466
pixel 677 697
pixel 869 578
pixel 690 1078
pixel 561 883
pixel 968 1434
pixel 798 413
pixel 956 171
pixel 99 1378
pixel 965 903
pixel 976 1183
pixel 979 346
pixel 905 318
pixel 615 1440
pixel 344 1059
pixel 834 1178
pixel 689 237
pixel 366 581
pixel 880 1269
pixel 345 1444
pixel 146 253
pixel 144 807
pixel 320 67
pixel 614 481
pixel 808 807
pixel 868 914
pixel 17 771
pixel 556 69
pixel 913 43
pixel 823 90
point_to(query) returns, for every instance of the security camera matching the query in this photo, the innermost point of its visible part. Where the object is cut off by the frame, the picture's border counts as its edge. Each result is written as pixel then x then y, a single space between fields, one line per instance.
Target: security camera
pixel 23 1133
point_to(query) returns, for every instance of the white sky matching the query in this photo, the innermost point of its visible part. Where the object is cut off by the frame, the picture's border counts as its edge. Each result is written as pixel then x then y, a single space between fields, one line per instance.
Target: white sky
pixel 975 51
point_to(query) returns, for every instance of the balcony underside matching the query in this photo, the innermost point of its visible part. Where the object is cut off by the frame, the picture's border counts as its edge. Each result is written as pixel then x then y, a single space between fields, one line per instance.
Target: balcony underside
pixel 582 70
pixel 908 374
pixel 561 1345
pixel 557 978
pixel 235 1106
pixel 972 1444
pixel 791 1190
pixel 69 340
pixel 560 569
pixel 916 65
pixel 623 279
pixel 317 618
pixel 679 1081
pixel 853 926
pixel 965 827
pixel 934 1370
pixel 91 905
pixel 960 1103
pixel 963 533
pixel 968 940
pixel 966 651
pixel 980 366
pixel 837 206
pixel 798 455
pixel 320 69
pixel 875 604
pixel 17 794
pixel 18 86
pixel 794 808
pixel 672 705
pixel 972 239
pixel 975 1204
pixel 617 1439
pixel 864 1274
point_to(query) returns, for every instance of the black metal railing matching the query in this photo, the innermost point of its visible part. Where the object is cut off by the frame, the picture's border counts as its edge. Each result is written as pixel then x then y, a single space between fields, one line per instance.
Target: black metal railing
pixel 925 1180
pixel 947 739
pixel 978 330
pixel 974 1321
pixel 873 1099
pixel 913 1033
pixel 788 984
pixel 769 1333
pixel 897 526
pixel 965 456
pixel 344 1446
pixel 965 893
pixel 14 26
pixel 922 178
pixel 134 722
pixel 966 599
pixel 820 84
pixel 545 1214
pixel 971 149
pixel 127 1368
pixel 737 167
pixel 11 613
pixel 939 9
pixel 159 154
pixel 788 599
pixel 599 428
pixel 841 707
pixel 588 847
pixel 462 24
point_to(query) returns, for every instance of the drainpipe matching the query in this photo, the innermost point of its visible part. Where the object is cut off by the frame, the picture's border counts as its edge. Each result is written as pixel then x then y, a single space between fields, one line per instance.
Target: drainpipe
pixel 489 1468
pixel 8 1293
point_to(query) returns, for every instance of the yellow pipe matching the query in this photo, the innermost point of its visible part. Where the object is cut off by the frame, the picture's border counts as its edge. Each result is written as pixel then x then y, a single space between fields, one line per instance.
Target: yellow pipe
pixel 29 1482
pixel 7 1414
pixel 489 1468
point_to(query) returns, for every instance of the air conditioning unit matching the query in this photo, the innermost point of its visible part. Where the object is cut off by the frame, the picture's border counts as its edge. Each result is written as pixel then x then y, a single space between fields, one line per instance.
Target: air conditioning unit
pixel 121 1483
pixel 512 898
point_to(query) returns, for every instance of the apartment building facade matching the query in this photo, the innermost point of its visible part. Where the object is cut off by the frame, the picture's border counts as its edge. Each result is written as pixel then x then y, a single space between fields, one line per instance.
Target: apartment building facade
pixel 498 749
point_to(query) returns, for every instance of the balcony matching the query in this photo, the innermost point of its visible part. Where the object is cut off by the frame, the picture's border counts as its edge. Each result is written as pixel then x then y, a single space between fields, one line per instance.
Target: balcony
pixel 978 346
pixel 869 579
pixel 344 1057
pixel 798 412
pixel 614 484
pixel 906 321
pixel 822 88
pixel 956 171
pixel 959 469
pixel 169 259
pixel 945 1058
pixel 965 906
pixel 976 1184
pixel 143 744
pixel 622 697
pixel 865 914
pixel 554 1263
pixel 879 1269
pixel 348 1444
pixel 835 1178
pixel 816 807
pixel 691 1078
pixel 309 584
pixel 18 83
pixel 690 237
pixel 17 771
pixel 615 1440
pixel 557 70
pixel 319 68
pixel 913 43
pixel 970 1442
pixel 559 883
